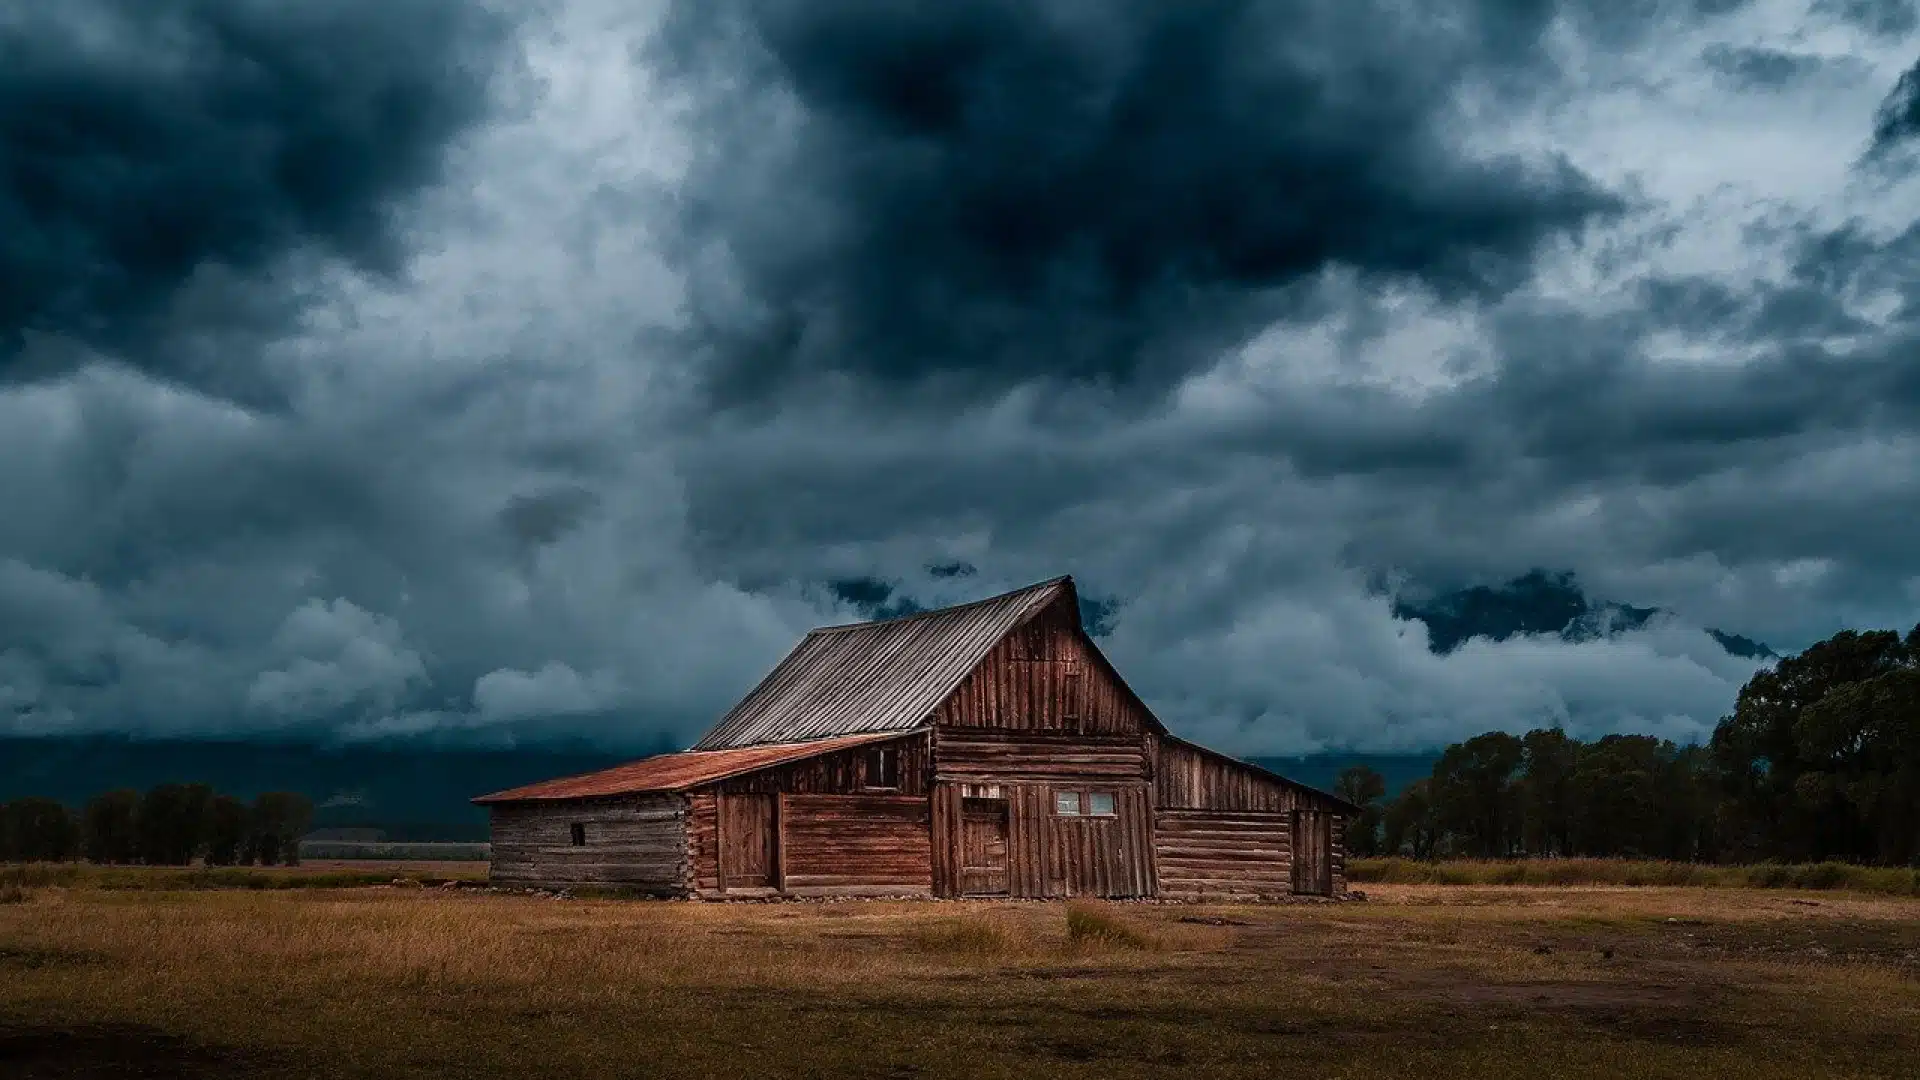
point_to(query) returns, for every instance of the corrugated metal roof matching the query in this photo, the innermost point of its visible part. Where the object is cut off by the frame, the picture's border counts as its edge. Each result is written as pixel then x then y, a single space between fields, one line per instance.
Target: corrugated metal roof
pixel 677 772
pixel 876 676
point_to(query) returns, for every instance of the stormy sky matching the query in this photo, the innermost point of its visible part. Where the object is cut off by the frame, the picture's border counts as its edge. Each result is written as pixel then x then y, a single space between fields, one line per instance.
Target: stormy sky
pixel 503 372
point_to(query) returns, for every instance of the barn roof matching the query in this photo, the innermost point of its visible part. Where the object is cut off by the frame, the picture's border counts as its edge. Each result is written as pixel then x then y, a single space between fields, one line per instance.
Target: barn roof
pixel 677 772
pixel 876 676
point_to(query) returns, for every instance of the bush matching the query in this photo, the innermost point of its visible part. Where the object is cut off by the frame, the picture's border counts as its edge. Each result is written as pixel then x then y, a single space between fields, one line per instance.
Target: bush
pixel 1090 927
pixel 962 937
pixel 1894 881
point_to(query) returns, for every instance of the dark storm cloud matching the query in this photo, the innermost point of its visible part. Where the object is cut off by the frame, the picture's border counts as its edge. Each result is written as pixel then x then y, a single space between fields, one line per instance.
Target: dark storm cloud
pixel 144 145
pixel 1011 191
pixel 1882 18
pixel 1898 119
pixel 1751 68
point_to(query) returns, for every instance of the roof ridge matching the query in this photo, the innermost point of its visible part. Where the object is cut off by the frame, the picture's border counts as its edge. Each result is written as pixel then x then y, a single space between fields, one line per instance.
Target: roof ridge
pixel 837 628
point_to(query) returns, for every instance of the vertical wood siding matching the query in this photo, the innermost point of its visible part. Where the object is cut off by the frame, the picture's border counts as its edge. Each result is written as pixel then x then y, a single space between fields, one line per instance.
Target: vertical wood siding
pixel 840 773
pixel 1043 677
pixel 1049 855
pixel 824 831
pixel 637 841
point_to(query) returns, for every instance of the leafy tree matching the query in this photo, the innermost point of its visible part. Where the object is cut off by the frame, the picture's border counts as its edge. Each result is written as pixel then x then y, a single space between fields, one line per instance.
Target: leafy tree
pixel 1362 786
pixel 1615 792
pixel 1548 757
pixel 278 820
pixel 172 823
pixel 1475 800
pixel 226 830
pixel 1408 824
pixel 110 827
pixel 37 830
pixel 1860 746
pixel 1778 800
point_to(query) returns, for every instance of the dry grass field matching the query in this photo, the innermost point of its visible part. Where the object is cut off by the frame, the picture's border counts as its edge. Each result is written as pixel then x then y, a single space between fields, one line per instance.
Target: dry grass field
pixel 1419 980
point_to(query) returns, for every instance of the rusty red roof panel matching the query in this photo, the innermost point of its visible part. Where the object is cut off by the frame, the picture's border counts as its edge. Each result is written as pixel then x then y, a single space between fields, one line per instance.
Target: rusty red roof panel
pixel 876 676
pixel 678 772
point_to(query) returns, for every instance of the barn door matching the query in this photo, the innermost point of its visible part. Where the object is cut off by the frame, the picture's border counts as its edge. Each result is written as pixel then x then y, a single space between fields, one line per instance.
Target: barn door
pixel 747 842
pixel 1312 852
pixel 983 847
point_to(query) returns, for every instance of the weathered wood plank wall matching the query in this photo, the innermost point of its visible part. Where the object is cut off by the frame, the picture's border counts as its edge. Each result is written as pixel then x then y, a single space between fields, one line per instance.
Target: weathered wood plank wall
pixel 884 838
pixel 1223 855
pixel 987 754
pixel 1043 677
pixel 1048 854
pixel 637 841
pixel 854 844
pixel 843 772
pixel 1222 828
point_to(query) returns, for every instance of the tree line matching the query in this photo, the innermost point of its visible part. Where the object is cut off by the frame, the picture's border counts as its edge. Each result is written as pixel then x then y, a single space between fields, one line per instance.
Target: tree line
pixel 168 825
pixel 1819 760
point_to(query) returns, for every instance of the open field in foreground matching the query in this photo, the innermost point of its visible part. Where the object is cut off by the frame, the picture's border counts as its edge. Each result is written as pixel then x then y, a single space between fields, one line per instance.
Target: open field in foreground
pixel 1418 981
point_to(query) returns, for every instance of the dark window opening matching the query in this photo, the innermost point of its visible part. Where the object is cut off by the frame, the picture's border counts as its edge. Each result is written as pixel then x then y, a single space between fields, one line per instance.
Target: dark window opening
pixel 883 768
pixel 579 835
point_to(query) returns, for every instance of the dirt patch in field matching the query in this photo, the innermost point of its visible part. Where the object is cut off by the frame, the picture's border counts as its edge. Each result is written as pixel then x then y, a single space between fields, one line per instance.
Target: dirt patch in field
pixel 103 1051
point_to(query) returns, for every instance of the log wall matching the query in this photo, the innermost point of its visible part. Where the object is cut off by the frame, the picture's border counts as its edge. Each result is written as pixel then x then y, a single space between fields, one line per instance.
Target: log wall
pixel 1223 828
pixel 988 754
pixel 853 844
pixel 1223 855
pixel 637 842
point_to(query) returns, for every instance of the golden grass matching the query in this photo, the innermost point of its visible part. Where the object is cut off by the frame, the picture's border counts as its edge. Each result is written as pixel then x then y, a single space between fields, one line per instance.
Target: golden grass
pixel 334 874
pixel 1892 880
pixel 1441 981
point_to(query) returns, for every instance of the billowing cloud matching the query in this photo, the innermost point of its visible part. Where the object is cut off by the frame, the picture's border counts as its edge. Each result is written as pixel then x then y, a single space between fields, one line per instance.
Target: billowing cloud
pixel 163 154
pixel 1005 191
pixel 661 334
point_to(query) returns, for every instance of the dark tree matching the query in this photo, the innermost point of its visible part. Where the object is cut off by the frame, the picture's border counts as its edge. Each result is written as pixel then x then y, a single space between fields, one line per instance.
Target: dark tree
pixel 37 830
pixel 1408 824
pixel 1362 786
pixel 1548 757
pixel 1860 748
pixel 1801 775
pixel 172 823
pixel 110 827
pixel 226 830
pixel 278 820
pixel 1475 799
pixel 1615 793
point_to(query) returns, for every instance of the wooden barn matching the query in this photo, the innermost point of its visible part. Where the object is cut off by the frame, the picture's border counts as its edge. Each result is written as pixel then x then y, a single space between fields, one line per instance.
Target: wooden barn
pixel 988 749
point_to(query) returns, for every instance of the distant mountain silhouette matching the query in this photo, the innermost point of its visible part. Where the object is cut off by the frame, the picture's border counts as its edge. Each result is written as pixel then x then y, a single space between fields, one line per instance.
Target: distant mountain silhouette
pixel 1542 603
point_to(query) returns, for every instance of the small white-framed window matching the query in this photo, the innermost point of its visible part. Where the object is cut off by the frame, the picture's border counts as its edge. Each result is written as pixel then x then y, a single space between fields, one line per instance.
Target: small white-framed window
pixel 1099 804
pixel 1066 803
